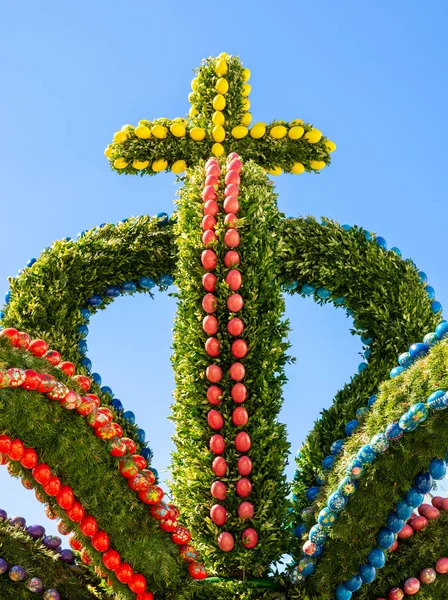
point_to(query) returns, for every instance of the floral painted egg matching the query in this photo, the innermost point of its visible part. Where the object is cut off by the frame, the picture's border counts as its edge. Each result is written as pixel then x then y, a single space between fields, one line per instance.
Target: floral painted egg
pixel 405 360
pixel 407 424
pixel 306 566
pixel 411 586
pixel 379 443
pixel 347 487
pixel 393 432
pixel 17 573
pixel 35 585
pixel 419 412
pixel 327 517
pixel 58 392
pixel 188 553
pixel 428 576
pixel 337 501
pixel 336 446
pixel 16 377
pixel 197 570
pixel 355 468
pixel 181 535
pixel 296 576
pixel 152 496
pixel 3 566
pixel 431 338
pixel 63 528
pixel 313 550
pixel 51 595
pixel 321 478
pixel 159 511
pixel 366 454
pixel 317 534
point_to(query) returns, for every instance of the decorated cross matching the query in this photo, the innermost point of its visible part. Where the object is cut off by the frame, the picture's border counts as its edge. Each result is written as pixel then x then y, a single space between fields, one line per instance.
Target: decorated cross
pixel 219 123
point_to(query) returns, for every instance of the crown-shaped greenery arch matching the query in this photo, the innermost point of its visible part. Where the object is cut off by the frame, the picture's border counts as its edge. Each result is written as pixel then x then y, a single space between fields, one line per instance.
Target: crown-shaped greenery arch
pixel 232 255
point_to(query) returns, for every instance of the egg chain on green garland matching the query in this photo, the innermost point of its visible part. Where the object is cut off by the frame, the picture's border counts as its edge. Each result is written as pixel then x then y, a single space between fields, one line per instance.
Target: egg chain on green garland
pixel 413 585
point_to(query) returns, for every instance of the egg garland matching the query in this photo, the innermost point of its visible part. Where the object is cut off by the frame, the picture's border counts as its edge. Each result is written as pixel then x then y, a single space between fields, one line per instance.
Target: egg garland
pixel 412 585
pixel 17 574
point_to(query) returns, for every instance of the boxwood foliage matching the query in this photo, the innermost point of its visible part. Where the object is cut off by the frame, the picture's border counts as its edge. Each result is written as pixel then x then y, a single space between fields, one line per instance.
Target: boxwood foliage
pixel 18 548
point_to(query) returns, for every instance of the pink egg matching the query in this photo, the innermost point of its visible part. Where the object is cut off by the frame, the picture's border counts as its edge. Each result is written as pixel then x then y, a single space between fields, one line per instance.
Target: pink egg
pixel 231 204
pixel 211 208
pixel 442 565
pixel 243 487
pixel 233 155
pixel 422 508
pixel 250 538
pixel 245 510
pixel 230 220
pixel 232 177
pixel 226 541
pixel 431 513
pixel 437 502
pixel 411 586
pixel 406 532
pixel 209 193
pixel 218 514
pixel 445 504
pixel 419 523
pixel 212 180
pixel 235 165
pixel 213 169
pixel 218 490
pixel 394 546
pixel 211 161
pixel 231 190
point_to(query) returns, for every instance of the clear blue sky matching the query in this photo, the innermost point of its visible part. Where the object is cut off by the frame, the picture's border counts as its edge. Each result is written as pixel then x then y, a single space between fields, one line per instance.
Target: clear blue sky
pixel 371 76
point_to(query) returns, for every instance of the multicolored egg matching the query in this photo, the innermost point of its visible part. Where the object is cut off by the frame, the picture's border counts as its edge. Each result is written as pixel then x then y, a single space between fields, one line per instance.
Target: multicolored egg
pixel 188 553
pixel 379 443
pixel 348 487
pixel 17 573
pixel 35 585
pixel 51 595
pixel 355 468
pixel 428 576
pixel 393 432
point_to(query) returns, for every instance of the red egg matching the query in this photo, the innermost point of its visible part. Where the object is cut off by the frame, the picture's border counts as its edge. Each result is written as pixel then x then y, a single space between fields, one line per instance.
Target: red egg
pixel 245 510
pixel 219 466
pixel 139 461
pixel 250 538
pixel 235 302
pixel 395 593
pixel 209 303
pixel 419 523
pixel 422 508
pixel 231 190
pixel 230 220
pixel 212 346
pixel 213 373
pixel 437 502
pixel 145 596
pixel 231 259
pixel 411 586
pixel 215 419
pixel 38 347
pixel 208 237
pixel 65 498
pixel 232 177
pixel 208 223
pixel 47 383
pixel 53 357
pixel 243 487
pixel 89 526
pixel 209 259
pixel 94 398
pixel 53 487
pixel 244 465
pixel 240 416
pixel 68 368
pixel 32 380
pixel 218 514
pixel 137 584
pixel 235 165
pixel 118 430
pixel 210 325
pixel 237 371
pixel 13 335
pixel 209 192
pixel 211 207
pixel 74 543
pixel 100 541
pixel 234 280
pixel 232 238
pixel 25 340
pixel 217 444
pixel 243 441
pixel 17 451
pixel 442 565
pixel 214 395
pixel 431 513
pixel 212 180
pixel 5 444
pixel 445 504
pixel 169 524
pixel 83 381
pixel 235 326
pixel 226 541
pixel 218 490
pixel 76 512
pixel 406 532
pixel 239 348
pixel 29 459
pixel 42 473
pixel 124 573
pixel 231 205
pixel 209 282
pixel 213 169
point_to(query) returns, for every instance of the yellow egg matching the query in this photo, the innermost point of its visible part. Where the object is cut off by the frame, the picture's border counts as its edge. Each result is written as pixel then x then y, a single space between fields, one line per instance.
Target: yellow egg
pixel 178 129
pixel 108 151
pixel 159 165
pixel 120 163
pixel 278 132
pixel 197 134
pixel 180 120
pixel 258 130
pixel 330 146
pixel 218 133
pixel 246 74
pixel 246 89
pixel 246 104
pixel 191 97
pixel 140 164
pixel 239 132
pixel 223 55
pixel 193 112
pixel 179 166
pixel 297 122
pixel 194 84
pixel 296 132
pixel 219 102
pixel 222 86
pixel 159 131
pixel 143 132
pixel 313 136
pixel 120 137
pixel 275 171
pixel 221 67
pixel 297 168
pixel 218 149
pixel 246 119
pixel 218 118
pixel 317 164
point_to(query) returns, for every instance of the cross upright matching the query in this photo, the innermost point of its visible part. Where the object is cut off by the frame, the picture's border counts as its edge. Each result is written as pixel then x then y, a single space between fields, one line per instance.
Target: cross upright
pixel 219 123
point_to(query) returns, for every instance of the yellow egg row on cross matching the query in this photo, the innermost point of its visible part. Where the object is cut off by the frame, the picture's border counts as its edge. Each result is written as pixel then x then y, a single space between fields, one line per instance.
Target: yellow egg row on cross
pixel 157 166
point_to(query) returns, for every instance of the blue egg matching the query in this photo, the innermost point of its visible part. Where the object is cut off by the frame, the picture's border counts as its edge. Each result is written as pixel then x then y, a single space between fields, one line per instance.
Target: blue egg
pixel 82 233
pixel 419 412
pixel 414 498
pixel 367 353
pixel 403 510
pixel 67 239
pixel 346 227
pixel 422 276
pixel 430 291
pixel 430 339
pixel 437 468
pixel 107 390
pixel 86 363
pixel 337 501
pixel 368 573
pixel 296 577
pixel 361 412
pixel 379 443
pixel 146 453
pixel 85 313
pixel 442 330
pixel 162 218
pixel 366 454
pixel 3 566
pixel 368 236
pixel 129 286
pixel 328 462
pixel 418 350
pixel 82 346
pixel 324 222
pixel 423 483
pixel 321 478
pixel 405 360
pixel 386 538
pixel 355 468
pixel 7 297
pixel 94 300
pixel 347 487
pixel 395 372
pixel 336 447
pixel 117 404
pixel 406 423
pixel 307 289
pixel 166 280
pixel 146 282
pixel 102 225
pixel 339 301
pixel 154 472
pixel 396 250
pixel 393 431
pixel 96 378
pixel 129 416
pixel 436 306
pixel 371 401
pixel 381 242
pixel 83 330
pixel 317 534
pixel 354 583
pixel 327 517
pixel 291 285
pixel 377 558
pixel 362 367
pixel 306 565
pixel 113 291
pixel 323 293
pixel 342 593
pixel 349 312
pixel 312 493
pixel 141 435
pixel 31 262
pixel 367 341
pixel 436 401
pixel 394 523
pixel 351 426
pixel 300 530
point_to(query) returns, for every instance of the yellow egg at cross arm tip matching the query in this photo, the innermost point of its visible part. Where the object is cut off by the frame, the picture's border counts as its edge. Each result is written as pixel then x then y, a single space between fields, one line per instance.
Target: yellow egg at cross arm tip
pixel 239 132
pixel 222 86
pixel 140 164
pixel 297 168
pixel 197 134
pixel 246 74
pixel 159 165
pixel 278 132
pixel 219 102
pixel 191 97
pixel 193 112
pixel 330 146
pixel 178 167
pixel 246 104
pixel 313 136
pixel 120 163
pixel 178 129
pixel 223 55
pixel 120 137
pixel 246 119
pixel 296 132
pixel 258 130
pixel 218 133
pixel 218 149
pixel 275 171
pixel 159 131
pixel 194 84
pixel 246 89
pixel 218 118
pixel 317 164
pixel 143 132
pixel 221 67
pixel 108 152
